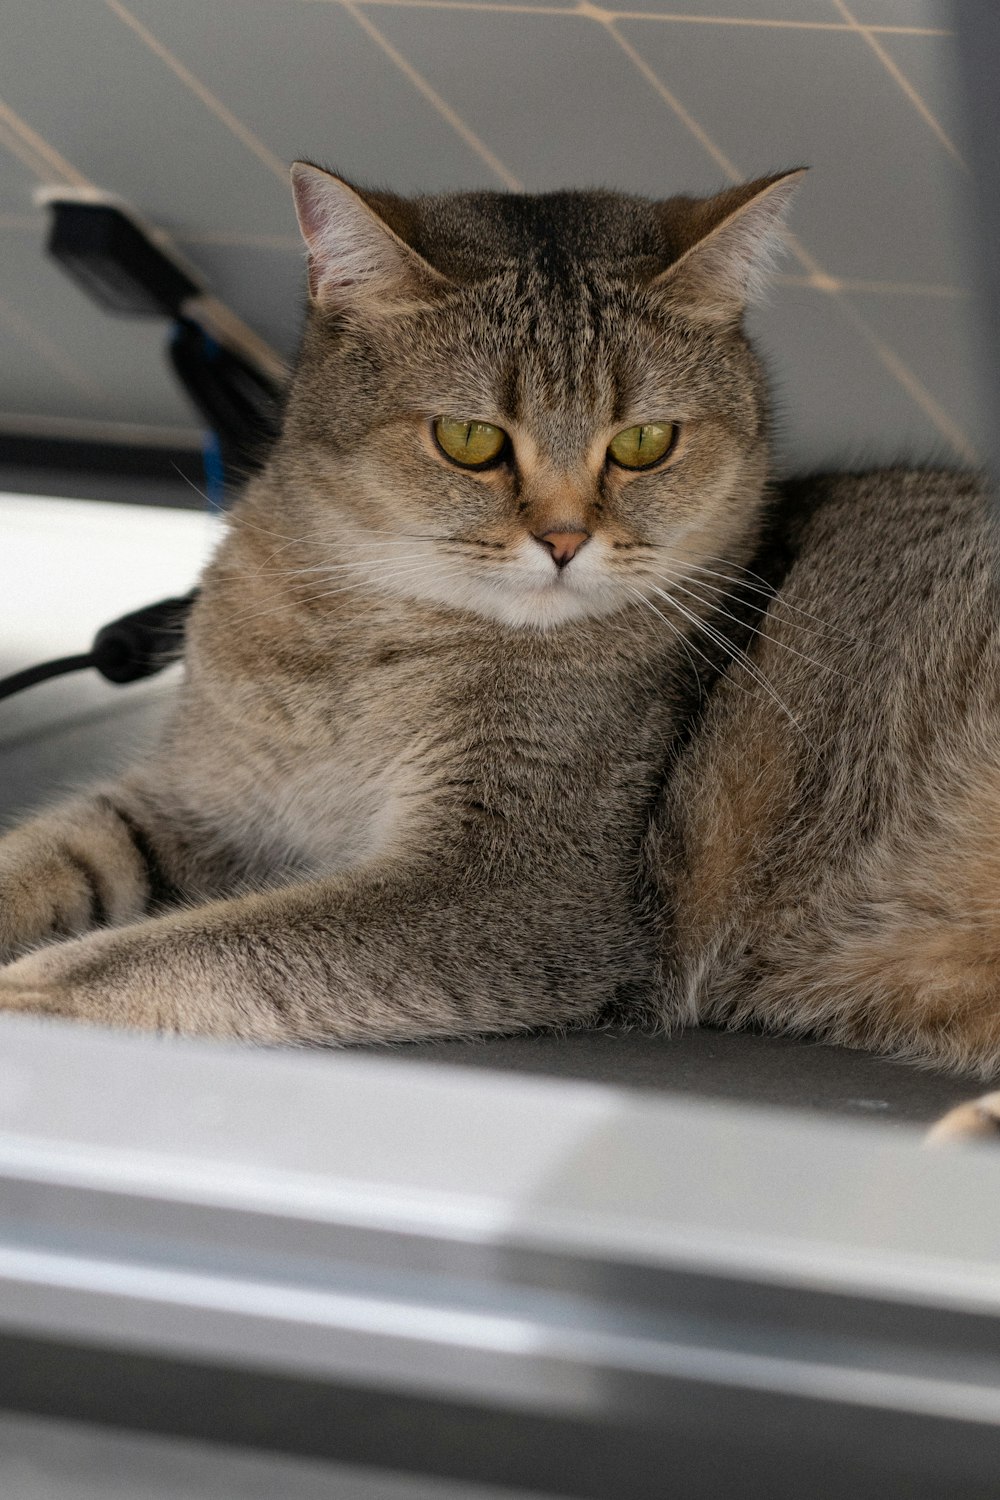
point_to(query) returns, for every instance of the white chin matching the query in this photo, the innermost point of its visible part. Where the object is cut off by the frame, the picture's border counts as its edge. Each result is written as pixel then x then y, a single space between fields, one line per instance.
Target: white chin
pixel 534 601
pixel 543 603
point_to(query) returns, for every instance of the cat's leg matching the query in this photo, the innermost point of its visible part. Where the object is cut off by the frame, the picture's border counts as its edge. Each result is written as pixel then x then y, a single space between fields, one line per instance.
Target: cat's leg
pixel 89 862
pixel 345 959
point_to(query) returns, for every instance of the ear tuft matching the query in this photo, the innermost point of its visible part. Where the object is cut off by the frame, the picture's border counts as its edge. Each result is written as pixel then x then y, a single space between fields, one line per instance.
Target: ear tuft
pixel 353 253
pixel 730 244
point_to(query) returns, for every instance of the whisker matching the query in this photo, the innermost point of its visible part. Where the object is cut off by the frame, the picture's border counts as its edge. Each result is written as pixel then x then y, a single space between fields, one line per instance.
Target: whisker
pixel 763 587
pixel 364 586
pixel 209 506
pixel 686 643
pixel 411 570
pixel 755 629
pixel 741 658
pixel 686 640
pixel 625 615
pixel 239 518
pixel 324 570
pixel 735 598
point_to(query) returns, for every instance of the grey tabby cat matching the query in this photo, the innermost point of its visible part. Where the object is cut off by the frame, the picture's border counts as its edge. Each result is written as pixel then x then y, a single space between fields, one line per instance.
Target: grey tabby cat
pixel 445 760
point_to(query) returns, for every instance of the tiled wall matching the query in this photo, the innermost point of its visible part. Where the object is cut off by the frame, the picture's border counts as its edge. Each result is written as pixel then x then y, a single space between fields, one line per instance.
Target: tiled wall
pixel 191 109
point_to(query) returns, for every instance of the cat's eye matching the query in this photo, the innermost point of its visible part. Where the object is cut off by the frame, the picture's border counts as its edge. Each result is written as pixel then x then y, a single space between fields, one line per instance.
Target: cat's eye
pixel 641 447
pixel 474 445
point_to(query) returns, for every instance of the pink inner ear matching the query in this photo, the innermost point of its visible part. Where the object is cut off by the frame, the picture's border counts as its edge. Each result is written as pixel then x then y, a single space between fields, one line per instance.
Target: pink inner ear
pixel 352 251
pixel 344 245
pixel 308 206
pixel 325 221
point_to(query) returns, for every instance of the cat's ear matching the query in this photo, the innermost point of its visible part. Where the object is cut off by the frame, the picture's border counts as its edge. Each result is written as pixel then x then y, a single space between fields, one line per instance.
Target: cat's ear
pixel 728 246
pixel 354 254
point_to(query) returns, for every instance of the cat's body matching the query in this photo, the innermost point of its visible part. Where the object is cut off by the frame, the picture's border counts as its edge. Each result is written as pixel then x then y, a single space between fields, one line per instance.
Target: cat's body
pixel 829 848
pixel 465 804
pixel 448 758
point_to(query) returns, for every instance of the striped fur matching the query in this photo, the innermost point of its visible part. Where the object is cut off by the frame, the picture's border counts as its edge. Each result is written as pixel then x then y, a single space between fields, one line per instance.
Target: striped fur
pixel 406 786
pixel 421 782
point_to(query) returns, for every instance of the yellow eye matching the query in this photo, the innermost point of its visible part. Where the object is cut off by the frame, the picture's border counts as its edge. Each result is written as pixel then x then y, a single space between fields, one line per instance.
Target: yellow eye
pixel 471 444
pixel 641 447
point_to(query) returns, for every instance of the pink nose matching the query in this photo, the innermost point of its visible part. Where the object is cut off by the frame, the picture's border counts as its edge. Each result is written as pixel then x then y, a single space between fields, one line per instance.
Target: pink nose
pixel 563 545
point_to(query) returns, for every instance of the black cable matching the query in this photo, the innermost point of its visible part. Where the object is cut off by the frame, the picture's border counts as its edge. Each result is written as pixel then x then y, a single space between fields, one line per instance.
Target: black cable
pixel 144 642
pixel 135 646
pixel 46 669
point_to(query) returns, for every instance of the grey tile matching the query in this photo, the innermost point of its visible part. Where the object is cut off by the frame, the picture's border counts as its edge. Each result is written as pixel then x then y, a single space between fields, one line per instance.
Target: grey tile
pixel 312 83
pixel 29 383
pixel 112 108
pixel 836 405
pixel 923 13
pixel 934 337
pixel 17 183
pixel 930 66
pixel 877 203
pixel 556 99
pixel 264 285
pixel 120 360
pixel 733 11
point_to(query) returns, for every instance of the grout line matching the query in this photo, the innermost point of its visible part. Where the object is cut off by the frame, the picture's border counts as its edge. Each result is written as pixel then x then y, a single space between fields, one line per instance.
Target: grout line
pixel 48 350
pixel 44 161
pixel 834 284
pixel 818 277
pixel 17 148
pixel 444 109
pixel 815 281
pixel 240 241
pixel 751 22
pixel 677 18
pixel 514 8
pixel 914 387
pixel 670 99
pixel 900 79
pixel 242 132
pixel 34 151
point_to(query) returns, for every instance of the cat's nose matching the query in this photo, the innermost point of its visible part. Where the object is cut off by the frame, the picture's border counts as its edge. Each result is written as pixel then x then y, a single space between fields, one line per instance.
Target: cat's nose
pixel 563 545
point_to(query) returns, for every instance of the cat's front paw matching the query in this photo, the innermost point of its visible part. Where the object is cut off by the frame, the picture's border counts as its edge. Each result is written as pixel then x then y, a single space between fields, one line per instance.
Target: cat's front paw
pixel 131 978
pixel 70 872
pixel 34 985
pixel 975 1120
pixel 77 979
pixel 46 894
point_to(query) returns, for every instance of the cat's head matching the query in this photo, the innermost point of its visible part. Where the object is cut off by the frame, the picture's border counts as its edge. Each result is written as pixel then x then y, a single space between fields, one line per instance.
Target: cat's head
pixel 529 406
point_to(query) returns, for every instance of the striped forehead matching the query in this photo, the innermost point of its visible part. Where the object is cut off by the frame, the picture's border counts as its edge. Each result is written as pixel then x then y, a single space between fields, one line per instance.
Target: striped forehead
pixel 558 376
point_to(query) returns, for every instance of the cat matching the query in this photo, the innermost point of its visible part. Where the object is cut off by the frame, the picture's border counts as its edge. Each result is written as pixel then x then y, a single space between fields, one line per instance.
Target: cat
pixel 492 718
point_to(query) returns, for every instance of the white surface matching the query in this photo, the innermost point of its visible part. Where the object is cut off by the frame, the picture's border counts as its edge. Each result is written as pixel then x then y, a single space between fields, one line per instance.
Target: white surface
pixel 67 567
